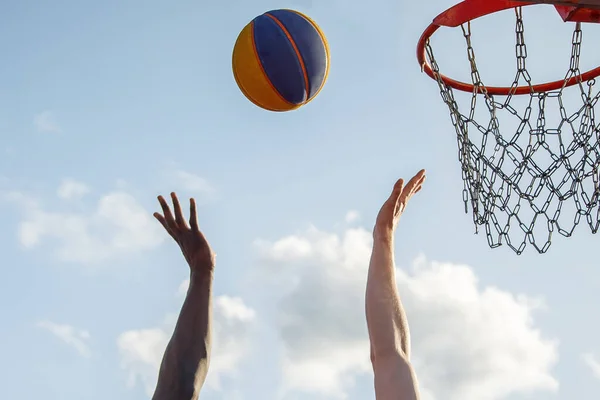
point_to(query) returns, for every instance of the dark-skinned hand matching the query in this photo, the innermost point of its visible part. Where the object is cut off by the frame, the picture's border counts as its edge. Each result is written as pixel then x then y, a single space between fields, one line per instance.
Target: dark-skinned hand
pixel 191 240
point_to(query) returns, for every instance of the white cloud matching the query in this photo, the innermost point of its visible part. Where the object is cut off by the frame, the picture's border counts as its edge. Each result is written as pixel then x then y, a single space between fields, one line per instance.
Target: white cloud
pixel 142 350
pixel 46 122
pixel 321 318
pixel 469 342
pixel 592 362
pixel 189 182
pixel 141 353
pixel 77 338
pixel 232 324
pixel 183 288
pixel 118 225
pixel 352 216
pixel 71 189
pixel 490 333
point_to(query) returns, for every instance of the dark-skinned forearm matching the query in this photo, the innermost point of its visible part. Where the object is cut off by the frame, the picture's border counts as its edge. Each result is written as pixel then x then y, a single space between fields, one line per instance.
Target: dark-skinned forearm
pixel 186 359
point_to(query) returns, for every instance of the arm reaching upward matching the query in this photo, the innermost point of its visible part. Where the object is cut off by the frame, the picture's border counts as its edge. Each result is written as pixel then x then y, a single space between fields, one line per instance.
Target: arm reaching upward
pixel 185 362
pixel 386 319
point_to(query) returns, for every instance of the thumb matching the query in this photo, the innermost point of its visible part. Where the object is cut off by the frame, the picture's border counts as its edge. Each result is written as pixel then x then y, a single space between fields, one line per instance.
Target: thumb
pixel 397 191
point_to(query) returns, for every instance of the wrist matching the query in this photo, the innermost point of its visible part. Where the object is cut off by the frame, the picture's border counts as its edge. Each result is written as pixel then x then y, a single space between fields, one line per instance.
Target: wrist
pixel 383 239
pixel 201 274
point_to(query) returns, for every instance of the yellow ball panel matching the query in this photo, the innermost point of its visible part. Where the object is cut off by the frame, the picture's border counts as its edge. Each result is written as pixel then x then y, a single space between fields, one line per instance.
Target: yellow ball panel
pixel 251 78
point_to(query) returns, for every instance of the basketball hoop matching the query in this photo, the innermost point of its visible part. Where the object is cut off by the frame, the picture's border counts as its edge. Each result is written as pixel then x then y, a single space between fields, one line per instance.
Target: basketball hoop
pixel 503 175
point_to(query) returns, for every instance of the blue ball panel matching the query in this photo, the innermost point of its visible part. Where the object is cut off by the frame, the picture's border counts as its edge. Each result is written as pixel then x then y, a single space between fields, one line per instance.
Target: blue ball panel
pixel 279 60
pixel 310 45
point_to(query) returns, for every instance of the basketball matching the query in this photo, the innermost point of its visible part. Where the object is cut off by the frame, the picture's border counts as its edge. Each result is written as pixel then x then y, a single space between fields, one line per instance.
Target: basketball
pixel 281 60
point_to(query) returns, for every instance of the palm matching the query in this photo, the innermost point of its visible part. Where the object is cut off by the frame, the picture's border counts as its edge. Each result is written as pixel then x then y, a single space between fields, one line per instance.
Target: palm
pixel 193 244
pixel 194 247
pixel 392 209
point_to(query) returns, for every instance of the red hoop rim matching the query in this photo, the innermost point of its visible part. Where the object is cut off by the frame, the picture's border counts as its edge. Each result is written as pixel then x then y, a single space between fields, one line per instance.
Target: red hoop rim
pixel 469 10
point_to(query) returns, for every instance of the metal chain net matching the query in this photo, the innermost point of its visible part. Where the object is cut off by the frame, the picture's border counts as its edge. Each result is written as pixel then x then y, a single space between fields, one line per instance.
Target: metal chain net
pixel 525 186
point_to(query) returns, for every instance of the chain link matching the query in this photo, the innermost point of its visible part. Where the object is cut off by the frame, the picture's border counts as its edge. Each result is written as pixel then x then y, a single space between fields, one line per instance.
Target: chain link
pixel 509 190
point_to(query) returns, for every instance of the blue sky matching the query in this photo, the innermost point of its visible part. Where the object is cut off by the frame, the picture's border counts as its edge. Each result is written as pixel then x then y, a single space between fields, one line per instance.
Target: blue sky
pixel 103 106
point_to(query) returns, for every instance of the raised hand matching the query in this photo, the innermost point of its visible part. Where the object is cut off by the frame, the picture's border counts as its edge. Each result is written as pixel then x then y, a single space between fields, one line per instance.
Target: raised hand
pixel 392 209
pixel 191 241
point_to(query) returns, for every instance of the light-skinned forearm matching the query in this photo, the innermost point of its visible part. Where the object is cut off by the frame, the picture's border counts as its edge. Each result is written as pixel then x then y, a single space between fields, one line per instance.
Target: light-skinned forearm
pixel 186 359
pixel 386 319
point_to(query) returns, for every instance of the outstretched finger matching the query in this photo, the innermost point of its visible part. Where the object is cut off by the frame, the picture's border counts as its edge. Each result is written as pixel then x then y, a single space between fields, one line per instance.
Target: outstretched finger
pixel 178 213
pixel 419 176
pixel 415 182
pixel 168 217
pixel 419 185
pixel 163 222
pixel 193 216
